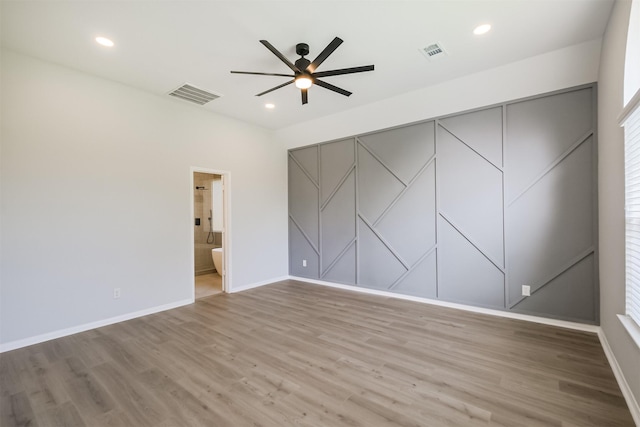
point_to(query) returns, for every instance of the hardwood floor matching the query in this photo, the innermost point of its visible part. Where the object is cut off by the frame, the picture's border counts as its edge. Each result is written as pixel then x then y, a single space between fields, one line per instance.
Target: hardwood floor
pixel 305 355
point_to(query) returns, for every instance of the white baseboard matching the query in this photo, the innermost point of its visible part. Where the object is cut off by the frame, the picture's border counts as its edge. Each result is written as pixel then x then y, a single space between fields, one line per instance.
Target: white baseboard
pixel 257 284
pixel 518 316
pixel 13 345
pixel 632 403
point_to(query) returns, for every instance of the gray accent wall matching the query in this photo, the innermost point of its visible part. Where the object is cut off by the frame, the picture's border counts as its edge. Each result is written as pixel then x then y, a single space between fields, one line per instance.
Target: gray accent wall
pixel 466 208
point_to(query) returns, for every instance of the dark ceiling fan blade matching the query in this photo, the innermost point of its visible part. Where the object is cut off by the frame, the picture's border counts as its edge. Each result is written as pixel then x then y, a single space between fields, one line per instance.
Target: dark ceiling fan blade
pixel 277 87
pixel 343 71
pixel 281 56
pixel 305 96
pixel 331 87
pixel 324 54
pixel 262 74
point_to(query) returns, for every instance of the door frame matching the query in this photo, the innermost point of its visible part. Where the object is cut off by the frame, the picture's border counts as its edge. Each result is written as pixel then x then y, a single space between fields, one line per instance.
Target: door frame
pixel 226 229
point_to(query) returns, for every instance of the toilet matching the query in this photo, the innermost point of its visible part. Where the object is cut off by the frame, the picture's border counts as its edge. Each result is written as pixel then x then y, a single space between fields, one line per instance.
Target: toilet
pixel 216 255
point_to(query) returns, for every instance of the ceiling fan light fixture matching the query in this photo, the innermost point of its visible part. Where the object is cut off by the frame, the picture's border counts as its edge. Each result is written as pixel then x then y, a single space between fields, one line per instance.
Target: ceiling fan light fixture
pixel 303 82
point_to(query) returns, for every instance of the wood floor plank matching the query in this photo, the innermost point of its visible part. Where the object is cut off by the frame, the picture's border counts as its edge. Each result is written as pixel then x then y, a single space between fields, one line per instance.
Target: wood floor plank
pixel 16 411
pixel 61 415
pixel 130 397
pixel 42 388
pixel 295 354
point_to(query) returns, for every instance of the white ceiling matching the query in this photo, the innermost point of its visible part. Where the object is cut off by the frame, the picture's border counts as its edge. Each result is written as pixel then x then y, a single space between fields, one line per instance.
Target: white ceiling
pixel 162 44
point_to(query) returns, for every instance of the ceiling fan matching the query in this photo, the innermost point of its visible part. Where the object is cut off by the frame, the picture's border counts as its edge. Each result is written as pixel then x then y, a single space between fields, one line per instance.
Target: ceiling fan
pixel 304 70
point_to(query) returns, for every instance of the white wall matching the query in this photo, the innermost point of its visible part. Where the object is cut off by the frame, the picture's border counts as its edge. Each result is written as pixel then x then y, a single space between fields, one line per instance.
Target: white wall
pixel 95 194
pixel 632 56
pixel 572 66
pixel 611 195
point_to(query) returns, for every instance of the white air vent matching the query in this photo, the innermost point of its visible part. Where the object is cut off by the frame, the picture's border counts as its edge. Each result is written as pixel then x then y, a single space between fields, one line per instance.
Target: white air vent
pixel 193 94
pixel 434 51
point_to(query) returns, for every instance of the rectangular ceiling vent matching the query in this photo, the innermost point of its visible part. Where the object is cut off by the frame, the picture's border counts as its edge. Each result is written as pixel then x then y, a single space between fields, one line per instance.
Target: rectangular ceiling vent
pixel 434 51
pixel 193 94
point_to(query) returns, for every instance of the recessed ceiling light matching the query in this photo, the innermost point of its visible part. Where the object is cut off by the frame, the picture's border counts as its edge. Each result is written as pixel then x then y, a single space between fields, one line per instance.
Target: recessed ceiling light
pixel 482 29
pixel 269 106
pixel 104 41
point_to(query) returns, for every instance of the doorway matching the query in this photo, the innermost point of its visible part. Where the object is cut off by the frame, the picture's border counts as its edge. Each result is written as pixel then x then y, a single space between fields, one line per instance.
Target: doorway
pixel 209 232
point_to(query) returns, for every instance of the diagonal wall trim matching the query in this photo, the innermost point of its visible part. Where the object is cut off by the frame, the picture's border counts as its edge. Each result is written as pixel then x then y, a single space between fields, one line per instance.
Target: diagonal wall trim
pixel 404 263
pixel 558 273
pixel 404 190
pixel 555 163
pixel 316 250
pixel 475 245
pixel 375 156
pixel 335 261
pixel 335 190
pixel 457 228
pixel 304 170
pixel 469 147
pixel 417 263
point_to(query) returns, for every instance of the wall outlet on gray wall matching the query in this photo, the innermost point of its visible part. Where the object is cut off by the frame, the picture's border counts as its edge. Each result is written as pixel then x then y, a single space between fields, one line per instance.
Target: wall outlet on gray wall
pixel 526 290
pixel 304 262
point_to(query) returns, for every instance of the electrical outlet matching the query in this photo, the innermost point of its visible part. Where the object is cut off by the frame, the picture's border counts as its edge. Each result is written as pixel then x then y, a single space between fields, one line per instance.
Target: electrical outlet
pixel 116 293
pixel 526 290
pixel 304 262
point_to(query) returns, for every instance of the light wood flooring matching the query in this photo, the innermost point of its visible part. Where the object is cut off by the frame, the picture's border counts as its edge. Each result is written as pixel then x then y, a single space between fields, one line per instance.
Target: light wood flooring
pixel 208 284
pixel 298 354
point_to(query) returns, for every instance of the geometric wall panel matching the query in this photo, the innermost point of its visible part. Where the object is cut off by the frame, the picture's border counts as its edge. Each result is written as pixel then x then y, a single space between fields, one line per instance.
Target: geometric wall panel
pixel 552 223
pixel 480 130
pixel 539 130
pixel 569 296
pixel 466 208
pixel 379 268
pixel 464 274
pixel 336 159
pixel 377 187
pixel 303 202
pixel 404 150
pixel 308 158
pixel 421 281
pixel 550 204
pixel 410 224
pixel 299 250
pixel 470 195
pixel 344 270
pixel 339 222
pixel 304 213
pixel 338 211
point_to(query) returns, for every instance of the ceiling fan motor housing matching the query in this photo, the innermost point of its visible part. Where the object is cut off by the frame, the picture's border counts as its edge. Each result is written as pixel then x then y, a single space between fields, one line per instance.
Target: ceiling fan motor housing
pixel 302 64
pixel 302 49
